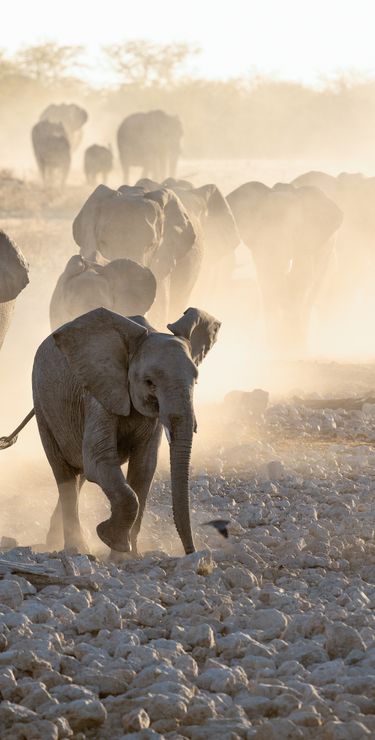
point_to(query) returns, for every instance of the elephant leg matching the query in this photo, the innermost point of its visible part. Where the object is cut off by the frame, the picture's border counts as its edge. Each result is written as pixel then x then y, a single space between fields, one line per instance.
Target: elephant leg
pixel 55 535
pixel 115 531
pixel 142 466
pixel 68 484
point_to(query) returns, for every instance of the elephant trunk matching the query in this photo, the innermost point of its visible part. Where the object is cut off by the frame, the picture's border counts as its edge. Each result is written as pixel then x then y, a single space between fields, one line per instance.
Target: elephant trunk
pixel 180 452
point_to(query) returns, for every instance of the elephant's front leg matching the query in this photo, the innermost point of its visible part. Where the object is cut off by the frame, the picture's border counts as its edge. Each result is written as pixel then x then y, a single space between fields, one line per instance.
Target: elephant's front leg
pixel 115 531
pixel 142 466
pixel 102 466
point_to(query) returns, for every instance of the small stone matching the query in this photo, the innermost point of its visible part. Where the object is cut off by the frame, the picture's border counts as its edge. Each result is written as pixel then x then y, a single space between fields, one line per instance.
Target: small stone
pixel 237 577
pixel 136 720
pixel 10 594
pixel 342 639
pixel 202 635
pixel 100 616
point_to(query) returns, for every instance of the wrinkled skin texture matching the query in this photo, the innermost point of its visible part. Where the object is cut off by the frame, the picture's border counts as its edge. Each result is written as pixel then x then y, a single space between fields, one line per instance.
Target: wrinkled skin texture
pixel 98 161
pixel 151 228
pixel 216 238
pixel 52 152
pixel 71 116
pixel 103 386
pixel 122 286
pixel 13 279
pixel 289 232
pixel 152 141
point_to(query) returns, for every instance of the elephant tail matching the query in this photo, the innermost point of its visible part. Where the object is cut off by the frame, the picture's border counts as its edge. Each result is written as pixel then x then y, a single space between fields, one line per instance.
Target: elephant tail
pixel 6 442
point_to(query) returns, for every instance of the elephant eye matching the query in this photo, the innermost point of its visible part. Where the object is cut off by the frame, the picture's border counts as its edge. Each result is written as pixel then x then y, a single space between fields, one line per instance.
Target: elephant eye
pixel 149 383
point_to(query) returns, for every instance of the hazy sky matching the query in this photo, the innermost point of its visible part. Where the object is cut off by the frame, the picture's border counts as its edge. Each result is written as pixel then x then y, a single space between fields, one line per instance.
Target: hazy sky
pixel 294 39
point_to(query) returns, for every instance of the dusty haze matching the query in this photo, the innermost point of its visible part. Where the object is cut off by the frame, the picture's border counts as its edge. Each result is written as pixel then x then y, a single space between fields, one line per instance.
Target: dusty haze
pixel 235 131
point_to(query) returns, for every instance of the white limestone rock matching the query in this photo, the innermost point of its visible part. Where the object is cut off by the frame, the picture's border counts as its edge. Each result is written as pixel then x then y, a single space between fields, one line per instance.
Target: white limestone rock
pixel 10 594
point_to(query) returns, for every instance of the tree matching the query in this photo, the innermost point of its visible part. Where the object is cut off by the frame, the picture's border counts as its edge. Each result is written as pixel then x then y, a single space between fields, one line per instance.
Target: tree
pixel 48 62
pixel 145 63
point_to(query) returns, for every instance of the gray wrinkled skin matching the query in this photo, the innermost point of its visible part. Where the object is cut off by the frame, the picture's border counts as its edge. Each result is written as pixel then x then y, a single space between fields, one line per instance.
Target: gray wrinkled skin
pixel 103 386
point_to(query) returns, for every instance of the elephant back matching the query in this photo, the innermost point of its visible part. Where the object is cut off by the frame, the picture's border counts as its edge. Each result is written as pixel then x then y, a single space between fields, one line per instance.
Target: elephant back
pixel 13 269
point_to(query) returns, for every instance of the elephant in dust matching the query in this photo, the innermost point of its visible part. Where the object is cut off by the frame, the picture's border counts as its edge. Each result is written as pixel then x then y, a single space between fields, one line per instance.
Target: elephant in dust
pixel 216 237
pixel 122 286
pixel 289 232
pixel 71 116
pixel 52 152
pixel 151 228
pixel 355 196
pixel 98 160
pixel 13 279
pixel 150 140
pixel 103 387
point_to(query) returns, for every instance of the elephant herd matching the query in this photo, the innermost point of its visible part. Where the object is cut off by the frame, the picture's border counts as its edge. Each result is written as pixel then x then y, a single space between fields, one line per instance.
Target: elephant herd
pixel 151 140
pixel 105 385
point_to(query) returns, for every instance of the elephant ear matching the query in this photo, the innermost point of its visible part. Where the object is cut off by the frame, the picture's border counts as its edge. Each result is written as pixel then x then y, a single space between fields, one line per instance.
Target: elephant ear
pixel 84 224
pixel 98 346
pixel 200 329
pixel 13 269
pixel 178 233
pixel 220 230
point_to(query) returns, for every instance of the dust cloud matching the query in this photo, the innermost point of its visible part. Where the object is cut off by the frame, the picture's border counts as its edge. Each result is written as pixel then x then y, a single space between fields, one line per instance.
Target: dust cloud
pixel 258 139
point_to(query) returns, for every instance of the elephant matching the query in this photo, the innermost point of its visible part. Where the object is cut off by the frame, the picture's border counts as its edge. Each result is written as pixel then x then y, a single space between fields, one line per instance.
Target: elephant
pixel 13 279
pixel 104 386
pixel 217 236
pixel 150 140
pixel 98 160
pixel 354 194
pixel 122 285
pixel 151 228
pixel 71 116
pixel 289 232
pixel 52 152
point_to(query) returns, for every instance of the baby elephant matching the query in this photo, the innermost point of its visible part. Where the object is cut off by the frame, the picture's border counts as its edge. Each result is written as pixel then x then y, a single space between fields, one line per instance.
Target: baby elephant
pixel 104 386
pixel 98 160
pixel 121 285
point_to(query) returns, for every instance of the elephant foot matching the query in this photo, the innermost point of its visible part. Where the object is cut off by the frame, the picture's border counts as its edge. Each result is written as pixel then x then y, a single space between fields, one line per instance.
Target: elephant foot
pixel 76 544
pixel 81 549
pixel 114 535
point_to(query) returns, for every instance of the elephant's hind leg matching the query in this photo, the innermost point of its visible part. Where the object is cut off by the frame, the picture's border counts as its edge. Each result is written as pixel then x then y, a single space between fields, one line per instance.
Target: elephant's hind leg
pixel 55 535
pixel 64 524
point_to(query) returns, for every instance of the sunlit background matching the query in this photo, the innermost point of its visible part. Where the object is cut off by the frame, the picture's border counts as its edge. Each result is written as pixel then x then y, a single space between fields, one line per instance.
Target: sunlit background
pixel 293 39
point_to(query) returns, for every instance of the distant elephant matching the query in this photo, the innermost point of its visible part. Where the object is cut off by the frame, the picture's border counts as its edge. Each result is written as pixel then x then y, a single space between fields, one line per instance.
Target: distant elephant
pixel 13 279
pixel 289 233
pixel 98 160
pixel 103 387
pixel 152 141
pixel 121 285
pixel 353 284
pixel 52 152
pixel 71 116
pixel 151 228
pixel 216 236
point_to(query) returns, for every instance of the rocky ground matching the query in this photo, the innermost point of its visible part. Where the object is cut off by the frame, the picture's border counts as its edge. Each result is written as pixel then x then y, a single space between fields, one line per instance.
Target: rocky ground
pixel 267 634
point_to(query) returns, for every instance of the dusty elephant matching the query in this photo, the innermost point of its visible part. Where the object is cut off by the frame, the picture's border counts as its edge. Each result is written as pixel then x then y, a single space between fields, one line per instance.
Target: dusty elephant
pixel 98 161
pixel 104 386
pixel 13 279
pixel 122 286
pixel 71 116
pixel 151 228
pixel 289 232
pixel 52 152
pixel 152 141
pixel 216 238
